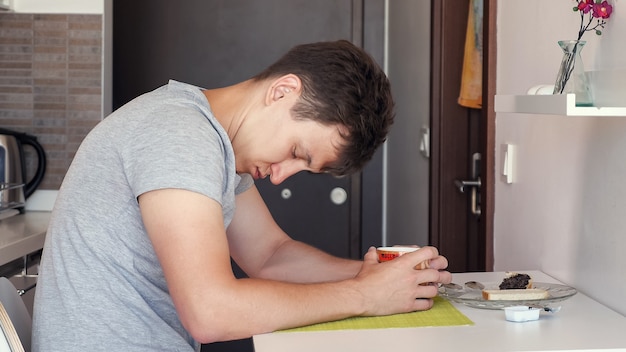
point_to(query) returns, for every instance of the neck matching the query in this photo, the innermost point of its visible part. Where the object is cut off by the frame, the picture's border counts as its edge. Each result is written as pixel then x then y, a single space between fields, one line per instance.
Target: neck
pixel 231 104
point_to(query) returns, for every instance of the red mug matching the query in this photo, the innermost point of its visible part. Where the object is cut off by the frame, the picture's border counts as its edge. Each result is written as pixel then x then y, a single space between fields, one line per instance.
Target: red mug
pixel 390 253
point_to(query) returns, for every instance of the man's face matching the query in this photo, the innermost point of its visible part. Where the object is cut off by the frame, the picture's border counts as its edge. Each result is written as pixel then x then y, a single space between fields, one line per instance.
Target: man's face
pixel 285 148
pixel 271 142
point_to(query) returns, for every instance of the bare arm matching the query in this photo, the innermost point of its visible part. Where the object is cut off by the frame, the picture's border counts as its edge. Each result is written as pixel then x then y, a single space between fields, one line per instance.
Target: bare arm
pixel 274 254
pixel 282 258
pixel 189 238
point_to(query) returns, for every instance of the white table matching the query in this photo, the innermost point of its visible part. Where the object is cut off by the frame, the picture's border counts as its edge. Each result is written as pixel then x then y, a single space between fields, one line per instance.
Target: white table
pixel 582 324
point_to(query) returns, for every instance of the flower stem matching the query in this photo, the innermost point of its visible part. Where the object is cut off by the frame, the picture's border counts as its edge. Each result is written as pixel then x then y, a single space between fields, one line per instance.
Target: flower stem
pixel 583 27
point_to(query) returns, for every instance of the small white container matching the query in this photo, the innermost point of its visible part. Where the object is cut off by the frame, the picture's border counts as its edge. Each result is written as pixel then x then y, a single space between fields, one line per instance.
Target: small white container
pixel 521 314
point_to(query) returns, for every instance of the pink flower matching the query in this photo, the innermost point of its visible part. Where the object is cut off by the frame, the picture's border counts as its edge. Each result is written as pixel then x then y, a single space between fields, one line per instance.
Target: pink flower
pixel 593 15
pixel 585 6
pixel 602 10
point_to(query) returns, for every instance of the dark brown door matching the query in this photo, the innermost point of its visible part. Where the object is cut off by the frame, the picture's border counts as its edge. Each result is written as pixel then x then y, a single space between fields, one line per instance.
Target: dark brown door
pixel 462 143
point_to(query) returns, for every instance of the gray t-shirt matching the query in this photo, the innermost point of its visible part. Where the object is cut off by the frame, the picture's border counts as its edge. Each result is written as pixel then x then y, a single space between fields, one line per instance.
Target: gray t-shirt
pixel 101 287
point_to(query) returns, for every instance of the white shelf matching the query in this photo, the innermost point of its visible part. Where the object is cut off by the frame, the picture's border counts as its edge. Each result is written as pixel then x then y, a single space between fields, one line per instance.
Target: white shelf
pixel 552 105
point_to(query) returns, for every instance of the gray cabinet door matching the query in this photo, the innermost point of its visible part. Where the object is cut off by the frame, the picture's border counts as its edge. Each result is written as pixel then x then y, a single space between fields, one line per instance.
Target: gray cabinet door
pixel 217 43
pixel 213 43
pixel 312 208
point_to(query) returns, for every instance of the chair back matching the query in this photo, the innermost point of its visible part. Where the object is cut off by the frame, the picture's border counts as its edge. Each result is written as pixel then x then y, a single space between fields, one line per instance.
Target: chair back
pixel 9 340
pixel 14 316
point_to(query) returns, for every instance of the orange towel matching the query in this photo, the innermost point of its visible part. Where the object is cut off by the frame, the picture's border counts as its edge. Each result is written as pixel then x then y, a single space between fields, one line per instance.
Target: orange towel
pixel 472 77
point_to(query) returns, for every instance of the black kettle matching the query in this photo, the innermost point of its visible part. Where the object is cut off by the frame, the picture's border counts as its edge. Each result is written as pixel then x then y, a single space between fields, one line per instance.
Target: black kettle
pixel 13 167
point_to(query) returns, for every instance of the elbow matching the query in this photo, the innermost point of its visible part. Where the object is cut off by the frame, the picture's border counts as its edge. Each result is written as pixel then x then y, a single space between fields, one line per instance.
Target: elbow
pixel 213 313
pixel 205 337
pixel 215 322
pixel 204 332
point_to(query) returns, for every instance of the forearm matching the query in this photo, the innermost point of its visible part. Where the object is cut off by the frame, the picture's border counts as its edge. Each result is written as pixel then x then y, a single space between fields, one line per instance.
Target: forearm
pixel 246 307
pixel 294 261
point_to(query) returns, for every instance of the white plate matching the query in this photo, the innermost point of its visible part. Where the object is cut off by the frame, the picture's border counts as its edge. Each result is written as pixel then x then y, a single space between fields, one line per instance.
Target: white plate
pixel 474 297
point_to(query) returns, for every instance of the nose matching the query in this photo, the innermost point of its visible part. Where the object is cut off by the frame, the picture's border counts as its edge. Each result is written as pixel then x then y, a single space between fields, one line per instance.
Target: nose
pixel 282 171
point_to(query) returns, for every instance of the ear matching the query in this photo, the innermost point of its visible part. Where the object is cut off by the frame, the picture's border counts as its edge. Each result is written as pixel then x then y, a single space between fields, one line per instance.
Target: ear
pixel 282 87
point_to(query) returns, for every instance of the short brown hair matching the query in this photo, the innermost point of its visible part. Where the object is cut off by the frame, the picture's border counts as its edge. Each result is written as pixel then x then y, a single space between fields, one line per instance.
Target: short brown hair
pixel 341 85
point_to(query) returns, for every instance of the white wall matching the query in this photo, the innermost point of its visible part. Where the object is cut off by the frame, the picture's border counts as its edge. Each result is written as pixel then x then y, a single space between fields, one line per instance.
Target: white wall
pixel 566 212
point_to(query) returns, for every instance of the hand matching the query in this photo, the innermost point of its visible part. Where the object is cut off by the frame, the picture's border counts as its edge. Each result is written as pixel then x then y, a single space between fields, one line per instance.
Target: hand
pixel 396 287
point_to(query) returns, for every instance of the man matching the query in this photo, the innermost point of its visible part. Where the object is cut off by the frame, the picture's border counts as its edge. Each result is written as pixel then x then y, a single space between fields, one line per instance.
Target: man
pixel 160 196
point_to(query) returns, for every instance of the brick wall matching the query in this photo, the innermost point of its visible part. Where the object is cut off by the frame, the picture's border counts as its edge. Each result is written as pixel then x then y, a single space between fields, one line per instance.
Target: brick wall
pixel 51 83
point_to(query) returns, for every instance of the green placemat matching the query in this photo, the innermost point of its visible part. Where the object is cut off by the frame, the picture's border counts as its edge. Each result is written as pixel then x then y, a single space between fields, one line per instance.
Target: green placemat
pixel 443 313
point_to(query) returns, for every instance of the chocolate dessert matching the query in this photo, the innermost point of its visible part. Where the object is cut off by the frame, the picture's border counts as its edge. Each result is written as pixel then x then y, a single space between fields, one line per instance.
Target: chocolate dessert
pixel 516 281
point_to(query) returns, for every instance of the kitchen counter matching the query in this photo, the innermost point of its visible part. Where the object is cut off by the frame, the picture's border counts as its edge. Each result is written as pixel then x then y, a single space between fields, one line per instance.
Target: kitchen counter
pixel 581 324
pixel 22 234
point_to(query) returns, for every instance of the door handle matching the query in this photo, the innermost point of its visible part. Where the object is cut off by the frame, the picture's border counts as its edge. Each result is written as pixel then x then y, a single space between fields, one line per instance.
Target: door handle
pixel 462 184
pixel 474 184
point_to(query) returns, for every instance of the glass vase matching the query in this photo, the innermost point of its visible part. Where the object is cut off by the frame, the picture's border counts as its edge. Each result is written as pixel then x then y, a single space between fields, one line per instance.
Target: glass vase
pixel 571 77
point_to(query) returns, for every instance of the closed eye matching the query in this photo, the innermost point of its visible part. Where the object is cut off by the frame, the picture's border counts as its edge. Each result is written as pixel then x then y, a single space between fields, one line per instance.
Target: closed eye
pixel 307 158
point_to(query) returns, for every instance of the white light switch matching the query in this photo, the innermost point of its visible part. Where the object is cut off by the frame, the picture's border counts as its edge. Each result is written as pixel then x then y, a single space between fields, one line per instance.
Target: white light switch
pixel 508 154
